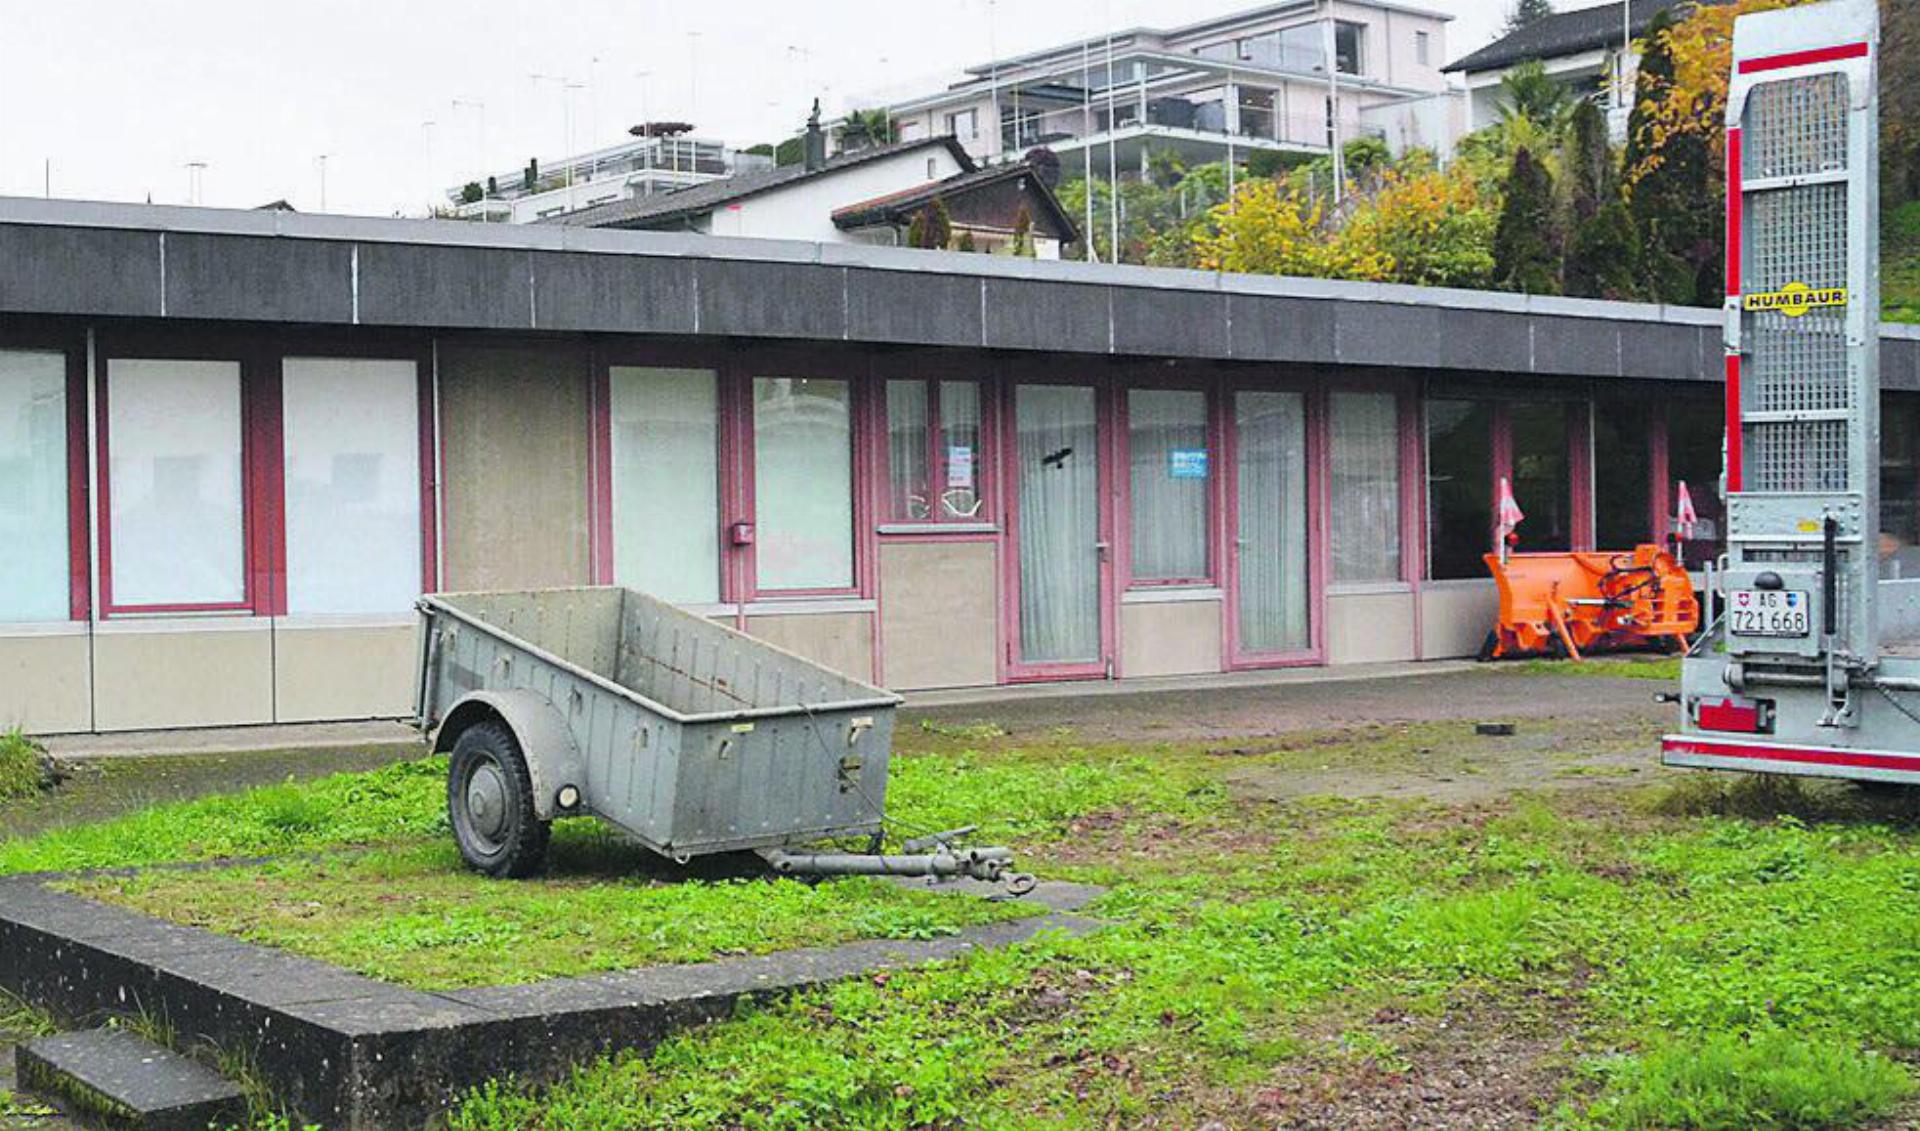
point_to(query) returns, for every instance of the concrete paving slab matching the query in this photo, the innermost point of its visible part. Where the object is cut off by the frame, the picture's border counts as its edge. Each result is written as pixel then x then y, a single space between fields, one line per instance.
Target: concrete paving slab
pixel 122 1080
pixel 1282 677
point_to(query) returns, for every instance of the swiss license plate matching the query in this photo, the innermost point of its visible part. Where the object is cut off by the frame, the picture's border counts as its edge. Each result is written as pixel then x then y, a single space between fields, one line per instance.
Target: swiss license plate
pixel 1769 612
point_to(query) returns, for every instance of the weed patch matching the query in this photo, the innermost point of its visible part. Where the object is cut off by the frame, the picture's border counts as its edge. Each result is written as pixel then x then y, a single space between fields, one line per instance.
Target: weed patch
pixel 1725 1081
pixel 25 769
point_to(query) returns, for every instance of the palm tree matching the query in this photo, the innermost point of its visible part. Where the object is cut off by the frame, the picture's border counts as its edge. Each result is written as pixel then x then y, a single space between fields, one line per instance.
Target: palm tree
pixel 866 129
pixel 1527 91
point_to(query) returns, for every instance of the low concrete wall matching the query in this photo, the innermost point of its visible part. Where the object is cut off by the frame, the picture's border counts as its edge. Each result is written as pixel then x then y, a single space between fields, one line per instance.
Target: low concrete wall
pixel 842 641
pixel 1456 617
pixel 46 680
pixel 1179 637
pixel 1369 628
pixel 327 673
pixel 940 621
pixel 152 675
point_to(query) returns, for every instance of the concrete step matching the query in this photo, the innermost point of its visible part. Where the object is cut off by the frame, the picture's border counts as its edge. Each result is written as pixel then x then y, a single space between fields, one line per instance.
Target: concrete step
pixel 114 1079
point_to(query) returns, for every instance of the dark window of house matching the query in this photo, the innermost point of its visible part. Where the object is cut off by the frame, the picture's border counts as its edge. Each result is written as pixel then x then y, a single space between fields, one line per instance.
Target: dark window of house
pixel 1622 506
pixel 1696 432
pixel 1900 487
pixel 1459 487
pixel 1542 484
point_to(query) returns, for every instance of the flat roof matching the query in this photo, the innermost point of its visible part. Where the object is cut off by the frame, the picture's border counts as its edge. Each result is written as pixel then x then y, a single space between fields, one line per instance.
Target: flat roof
pixel 178 264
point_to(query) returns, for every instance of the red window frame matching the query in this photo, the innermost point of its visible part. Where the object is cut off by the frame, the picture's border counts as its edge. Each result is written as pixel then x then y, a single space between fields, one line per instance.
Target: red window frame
pixel 1213 413
pixel 262 526
pixel 932 378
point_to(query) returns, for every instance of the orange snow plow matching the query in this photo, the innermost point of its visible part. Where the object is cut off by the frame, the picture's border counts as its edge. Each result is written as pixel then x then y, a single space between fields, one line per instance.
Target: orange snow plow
pixel 1576 603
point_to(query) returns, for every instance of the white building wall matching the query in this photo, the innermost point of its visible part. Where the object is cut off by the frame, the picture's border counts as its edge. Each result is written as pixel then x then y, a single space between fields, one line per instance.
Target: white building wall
pixel 804 211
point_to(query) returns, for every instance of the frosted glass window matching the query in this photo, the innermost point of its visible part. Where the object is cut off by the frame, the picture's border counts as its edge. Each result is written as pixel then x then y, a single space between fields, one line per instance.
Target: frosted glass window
pixel 1364 523
pixel 1171 484
pixel 666 483
pixel 33 487
pixel 352 449
pixel 803 483
pixel 941 480
pixel 176 514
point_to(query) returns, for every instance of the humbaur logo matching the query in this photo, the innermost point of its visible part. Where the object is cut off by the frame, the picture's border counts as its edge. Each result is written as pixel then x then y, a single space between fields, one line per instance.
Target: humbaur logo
pixel 1796 299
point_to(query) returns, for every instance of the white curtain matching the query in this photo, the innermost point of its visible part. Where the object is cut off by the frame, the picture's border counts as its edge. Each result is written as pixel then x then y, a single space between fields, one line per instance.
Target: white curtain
pixel 352 440
pixel 910 500
pixel 666 482
pixel 33 487
pixel 176 515
pixel 1364 526
pixel 1171 466
pixel 962 482
pixel 803 483
pixel 1272 497
pixel 1059 524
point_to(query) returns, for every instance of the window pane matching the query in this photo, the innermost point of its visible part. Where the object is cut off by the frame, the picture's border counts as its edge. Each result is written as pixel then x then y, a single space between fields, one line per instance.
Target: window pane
pixel 907 451
pixel 1365 522
pixel 1167 432
pixel 1541 482
pixel 33 487
pixel 1459 487
pixel 1696 447
pixel 803 483
pixel 666 482
pixel 1899 487
pixel 176 513
pixel 353 485
pixel 961 489
pixel 1622 515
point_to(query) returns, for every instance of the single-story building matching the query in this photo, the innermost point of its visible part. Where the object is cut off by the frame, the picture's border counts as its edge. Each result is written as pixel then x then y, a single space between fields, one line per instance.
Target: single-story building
pixel 236 446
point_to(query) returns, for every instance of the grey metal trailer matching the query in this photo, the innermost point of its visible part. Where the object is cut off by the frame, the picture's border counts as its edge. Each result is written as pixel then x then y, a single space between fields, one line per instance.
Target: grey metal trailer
pixel 688 736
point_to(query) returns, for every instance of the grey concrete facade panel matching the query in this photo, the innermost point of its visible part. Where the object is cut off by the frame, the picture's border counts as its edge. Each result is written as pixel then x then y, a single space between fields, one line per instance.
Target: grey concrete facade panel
pixel 1688 353
pixel 1281 329
pixel 1175 323
pixel 614 293
pixel 1068 317
pixel 1387 335
pixel 894 306
pixel 772 300
pixel 77 271
pixel 1576 347
pixel 258 278
pixel 1900 365
pixel 1476 339
pixel 408 285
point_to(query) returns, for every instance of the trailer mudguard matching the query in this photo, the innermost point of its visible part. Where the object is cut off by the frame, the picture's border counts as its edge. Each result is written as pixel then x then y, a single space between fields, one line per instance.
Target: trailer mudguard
pixel 553 760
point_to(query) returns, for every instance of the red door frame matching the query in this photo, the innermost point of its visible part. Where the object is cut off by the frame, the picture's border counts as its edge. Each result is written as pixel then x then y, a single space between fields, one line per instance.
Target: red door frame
pixel 1312 392
pixel 1102 383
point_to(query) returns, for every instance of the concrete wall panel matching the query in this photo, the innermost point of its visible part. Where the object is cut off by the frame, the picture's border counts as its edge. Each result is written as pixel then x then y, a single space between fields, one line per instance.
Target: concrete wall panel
pixel 841 641
pixel 259 278
pixel 1376 334
pixel 1178 323
pixel 935 310
pixel 1650 349
pixel 778 300
pixel 1493 341
pixel 324 674
pixel 402 285
pixel 1169 638
pixel 178 674
pixel 77 271
pixel 1025 315
pixel 45 683
pixel 1576 347
pixel 628 293
pixel 514 426
pixel 1280 329
pixel 1369 628
pixel 1456 617
pixel 940 623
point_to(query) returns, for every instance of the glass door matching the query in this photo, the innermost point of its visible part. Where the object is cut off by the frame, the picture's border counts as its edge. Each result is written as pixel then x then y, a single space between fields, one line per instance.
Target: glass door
pixel 1061 550
pixel 1272 582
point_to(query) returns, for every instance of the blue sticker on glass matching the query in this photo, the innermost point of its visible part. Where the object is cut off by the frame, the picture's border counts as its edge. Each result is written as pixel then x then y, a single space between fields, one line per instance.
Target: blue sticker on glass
pixel 1187 463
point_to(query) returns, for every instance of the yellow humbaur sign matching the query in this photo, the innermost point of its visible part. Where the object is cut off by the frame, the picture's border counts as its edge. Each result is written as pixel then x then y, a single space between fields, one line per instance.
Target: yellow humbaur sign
pixel 1796 299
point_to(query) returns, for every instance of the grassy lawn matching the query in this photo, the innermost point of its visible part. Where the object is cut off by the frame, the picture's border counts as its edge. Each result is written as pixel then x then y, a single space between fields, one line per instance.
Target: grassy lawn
pixel 1661 668
pixel 1900 264
pixel 1688 952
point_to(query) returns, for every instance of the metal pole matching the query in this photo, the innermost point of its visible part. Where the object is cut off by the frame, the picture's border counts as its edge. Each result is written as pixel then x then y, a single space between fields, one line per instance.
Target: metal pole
pixel 1086 148
pixel 323 182
pixel 993 80
pixel 1328 38
pixel 1113 152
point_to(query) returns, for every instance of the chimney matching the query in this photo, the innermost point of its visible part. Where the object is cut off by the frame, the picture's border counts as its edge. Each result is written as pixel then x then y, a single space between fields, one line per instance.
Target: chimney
pixel 816 141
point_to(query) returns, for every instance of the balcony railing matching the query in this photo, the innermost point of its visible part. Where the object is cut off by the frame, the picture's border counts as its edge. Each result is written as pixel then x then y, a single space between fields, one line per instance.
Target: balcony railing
pixel 1255 123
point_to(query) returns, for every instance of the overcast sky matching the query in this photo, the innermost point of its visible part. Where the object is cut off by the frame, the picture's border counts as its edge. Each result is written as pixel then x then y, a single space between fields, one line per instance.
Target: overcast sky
pixel 120 96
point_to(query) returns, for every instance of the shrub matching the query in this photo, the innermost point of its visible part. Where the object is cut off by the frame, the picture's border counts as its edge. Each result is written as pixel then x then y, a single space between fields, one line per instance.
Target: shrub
pixel 1772 1079
pixel 25 768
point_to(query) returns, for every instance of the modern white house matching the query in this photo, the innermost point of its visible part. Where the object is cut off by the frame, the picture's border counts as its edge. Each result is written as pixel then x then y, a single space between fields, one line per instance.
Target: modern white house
pixel 868 196
pixel 1592 52
pixel 1288 77
pixel 650 165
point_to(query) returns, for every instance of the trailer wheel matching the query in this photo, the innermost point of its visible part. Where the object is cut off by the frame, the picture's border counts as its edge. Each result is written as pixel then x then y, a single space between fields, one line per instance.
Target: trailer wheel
pixel 490 804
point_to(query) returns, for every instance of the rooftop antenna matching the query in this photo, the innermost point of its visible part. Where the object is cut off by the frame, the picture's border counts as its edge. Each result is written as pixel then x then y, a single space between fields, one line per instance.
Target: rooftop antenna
pixel 322 159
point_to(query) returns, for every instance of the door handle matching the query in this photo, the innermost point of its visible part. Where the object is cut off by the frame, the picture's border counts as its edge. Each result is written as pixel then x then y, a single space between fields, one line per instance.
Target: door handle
pixel 1104 549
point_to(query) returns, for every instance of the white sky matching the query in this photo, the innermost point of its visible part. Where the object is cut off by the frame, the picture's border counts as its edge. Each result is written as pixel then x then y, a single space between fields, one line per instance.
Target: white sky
pixel 121 95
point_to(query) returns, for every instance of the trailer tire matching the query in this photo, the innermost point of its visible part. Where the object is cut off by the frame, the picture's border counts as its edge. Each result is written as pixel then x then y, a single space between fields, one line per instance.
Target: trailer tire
pixel 490 804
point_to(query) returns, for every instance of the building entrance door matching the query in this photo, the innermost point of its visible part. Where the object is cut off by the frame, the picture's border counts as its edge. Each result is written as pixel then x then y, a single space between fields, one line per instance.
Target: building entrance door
pixel 1268 510
pixel 1060 535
